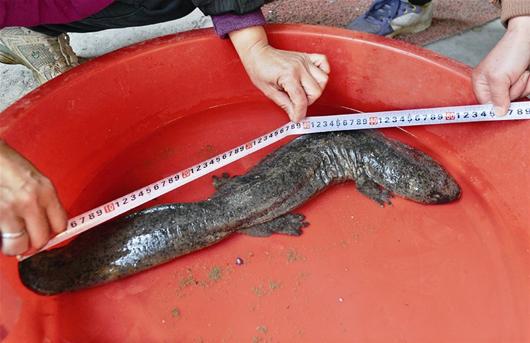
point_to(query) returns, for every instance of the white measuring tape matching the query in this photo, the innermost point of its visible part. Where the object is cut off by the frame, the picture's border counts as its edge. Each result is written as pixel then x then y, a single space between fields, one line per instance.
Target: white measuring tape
pixel 314 124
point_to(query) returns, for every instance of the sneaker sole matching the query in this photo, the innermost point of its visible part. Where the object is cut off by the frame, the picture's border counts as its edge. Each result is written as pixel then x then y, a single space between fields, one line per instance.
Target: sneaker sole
pixel 421 26
pixel 42 75
pixel 411 29
pixel 6 58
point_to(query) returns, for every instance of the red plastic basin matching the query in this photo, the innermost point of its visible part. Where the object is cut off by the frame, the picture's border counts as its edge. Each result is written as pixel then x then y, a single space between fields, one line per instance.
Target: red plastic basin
pixel 360 273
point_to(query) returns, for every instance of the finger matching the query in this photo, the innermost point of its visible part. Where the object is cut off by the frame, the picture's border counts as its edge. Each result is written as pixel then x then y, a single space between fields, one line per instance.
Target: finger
pixel 321 61
pixel 320 77
pixel 55 212
pixel 17 244
pixel 297 96
pixel 518 88
pixel 481 87
pixel 526 91
pixel 36 222
pixel 311 87
pixel 500 94
pixel 56 217
pixel 282 100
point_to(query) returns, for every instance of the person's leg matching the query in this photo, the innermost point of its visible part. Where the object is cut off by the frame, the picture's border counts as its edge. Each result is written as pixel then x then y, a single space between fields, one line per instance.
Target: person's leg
pixel 46 51
pixel 124 13
pixel 393 17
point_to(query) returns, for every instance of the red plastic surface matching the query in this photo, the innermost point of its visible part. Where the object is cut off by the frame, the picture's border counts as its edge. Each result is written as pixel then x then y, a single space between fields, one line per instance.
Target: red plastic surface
pixel 360 273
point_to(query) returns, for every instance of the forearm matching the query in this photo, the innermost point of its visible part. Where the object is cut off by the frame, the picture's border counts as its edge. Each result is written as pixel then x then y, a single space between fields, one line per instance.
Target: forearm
pixel 520 25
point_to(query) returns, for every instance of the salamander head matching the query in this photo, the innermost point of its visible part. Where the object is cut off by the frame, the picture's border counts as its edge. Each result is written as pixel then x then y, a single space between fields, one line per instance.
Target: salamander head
pixel 407 172
pixel 418 177
pixel 432 185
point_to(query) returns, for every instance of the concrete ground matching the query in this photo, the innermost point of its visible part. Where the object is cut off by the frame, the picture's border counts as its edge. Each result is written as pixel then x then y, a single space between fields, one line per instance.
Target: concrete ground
pixel 15 81
pixel 471 46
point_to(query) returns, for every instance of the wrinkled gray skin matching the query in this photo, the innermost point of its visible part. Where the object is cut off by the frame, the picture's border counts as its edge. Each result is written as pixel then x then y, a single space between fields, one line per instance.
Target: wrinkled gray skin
pixel 257 203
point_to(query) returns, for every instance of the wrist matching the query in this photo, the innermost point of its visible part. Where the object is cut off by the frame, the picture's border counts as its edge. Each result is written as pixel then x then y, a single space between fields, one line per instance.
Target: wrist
pixel 249 40
pixel 519 25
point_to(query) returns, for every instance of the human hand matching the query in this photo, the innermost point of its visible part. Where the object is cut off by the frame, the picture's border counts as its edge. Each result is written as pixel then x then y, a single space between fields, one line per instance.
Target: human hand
pixel 503 75
pixel 29 206
pixel 292 80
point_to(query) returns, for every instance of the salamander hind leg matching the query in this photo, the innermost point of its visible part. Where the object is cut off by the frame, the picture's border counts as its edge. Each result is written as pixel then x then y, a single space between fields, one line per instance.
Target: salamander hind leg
pixel 288 224
pixel 374 191
pixel 220 181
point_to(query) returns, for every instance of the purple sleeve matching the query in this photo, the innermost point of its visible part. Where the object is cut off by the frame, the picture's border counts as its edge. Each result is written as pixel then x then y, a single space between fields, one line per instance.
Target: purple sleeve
pixel 37 12
pixel 226 23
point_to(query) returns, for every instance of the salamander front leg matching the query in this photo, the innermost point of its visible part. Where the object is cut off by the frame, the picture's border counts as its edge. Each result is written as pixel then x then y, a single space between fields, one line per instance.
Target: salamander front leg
pixel 288 224
pixel 374 191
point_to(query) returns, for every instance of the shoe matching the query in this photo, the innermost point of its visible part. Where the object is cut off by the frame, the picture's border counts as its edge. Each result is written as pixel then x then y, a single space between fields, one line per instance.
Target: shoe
pixel 393 17
pixel 46 56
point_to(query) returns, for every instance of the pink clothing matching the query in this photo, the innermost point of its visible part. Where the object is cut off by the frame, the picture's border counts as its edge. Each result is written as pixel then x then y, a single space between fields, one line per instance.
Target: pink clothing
pixel 37 12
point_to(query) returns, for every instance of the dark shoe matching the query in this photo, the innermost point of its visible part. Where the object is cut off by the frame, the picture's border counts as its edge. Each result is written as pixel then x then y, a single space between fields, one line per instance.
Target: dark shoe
pixel 393 17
